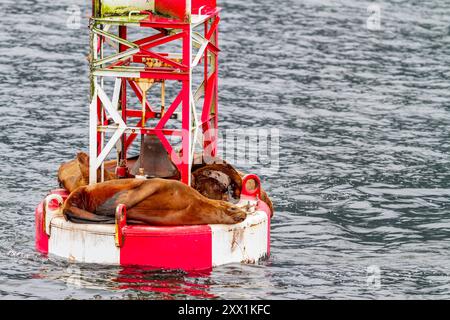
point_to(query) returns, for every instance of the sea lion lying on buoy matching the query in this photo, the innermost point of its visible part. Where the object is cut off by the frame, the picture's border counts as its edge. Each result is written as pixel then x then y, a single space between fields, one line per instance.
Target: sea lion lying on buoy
pixel 75 173
pixel 216 179
pixel 154 201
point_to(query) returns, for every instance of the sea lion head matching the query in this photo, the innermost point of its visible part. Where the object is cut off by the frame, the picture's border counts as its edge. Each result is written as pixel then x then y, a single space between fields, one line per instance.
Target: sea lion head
pixel 75 173
pixel 218 182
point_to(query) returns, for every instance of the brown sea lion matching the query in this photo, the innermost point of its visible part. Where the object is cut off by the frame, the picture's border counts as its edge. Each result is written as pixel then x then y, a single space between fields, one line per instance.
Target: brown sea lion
pixel 155 202
pixel 214 178
pixel 75 173
pixel 209 180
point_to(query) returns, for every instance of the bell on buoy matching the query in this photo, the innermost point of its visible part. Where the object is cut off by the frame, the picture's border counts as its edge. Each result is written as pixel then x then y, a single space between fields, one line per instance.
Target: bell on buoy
pixel 155 160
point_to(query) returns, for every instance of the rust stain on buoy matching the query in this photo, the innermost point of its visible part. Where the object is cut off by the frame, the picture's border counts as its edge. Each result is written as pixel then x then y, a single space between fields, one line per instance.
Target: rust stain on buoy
pixel 237 238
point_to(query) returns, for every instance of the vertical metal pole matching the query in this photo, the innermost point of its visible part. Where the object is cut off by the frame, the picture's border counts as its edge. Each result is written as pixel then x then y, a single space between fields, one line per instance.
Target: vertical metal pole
pixel 163 97
pixel 216 93
pixel 123 100
pixel 93 118
pixel 206 62
pixel 186 108
pixel 141 152
pixel 206 56
pixel 102 116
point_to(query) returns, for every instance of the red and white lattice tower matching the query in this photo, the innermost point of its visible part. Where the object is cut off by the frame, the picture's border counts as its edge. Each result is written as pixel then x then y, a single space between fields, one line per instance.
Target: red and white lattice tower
pixel 190 26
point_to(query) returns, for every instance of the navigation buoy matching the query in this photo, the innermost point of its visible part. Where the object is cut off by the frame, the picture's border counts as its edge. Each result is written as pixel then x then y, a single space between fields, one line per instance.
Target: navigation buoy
pixel 180 44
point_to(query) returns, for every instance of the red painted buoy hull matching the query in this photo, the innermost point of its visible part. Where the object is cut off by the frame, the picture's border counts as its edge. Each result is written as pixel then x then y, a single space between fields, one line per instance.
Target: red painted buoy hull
pixel 189 248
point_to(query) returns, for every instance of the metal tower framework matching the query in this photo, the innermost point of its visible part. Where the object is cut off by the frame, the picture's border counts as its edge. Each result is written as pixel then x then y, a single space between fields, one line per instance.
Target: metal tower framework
pixel 136 65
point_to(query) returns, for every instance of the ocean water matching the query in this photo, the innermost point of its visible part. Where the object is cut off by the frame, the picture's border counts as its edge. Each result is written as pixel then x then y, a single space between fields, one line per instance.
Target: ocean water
pixel 362 189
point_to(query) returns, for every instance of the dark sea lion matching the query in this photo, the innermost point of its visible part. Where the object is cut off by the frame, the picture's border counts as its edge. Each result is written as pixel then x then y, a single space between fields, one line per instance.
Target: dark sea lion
pixel 208 179
pixel 156 201
pixel 219 181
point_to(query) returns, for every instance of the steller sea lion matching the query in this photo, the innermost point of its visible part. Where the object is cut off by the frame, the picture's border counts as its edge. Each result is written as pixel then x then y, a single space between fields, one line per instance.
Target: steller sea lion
pixel 75 173
pixel 219 181
pixel 216 179
pixel 155 202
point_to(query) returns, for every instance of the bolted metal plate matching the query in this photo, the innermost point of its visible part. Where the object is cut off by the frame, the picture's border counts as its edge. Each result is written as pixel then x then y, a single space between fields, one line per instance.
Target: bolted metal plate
pixel 124 7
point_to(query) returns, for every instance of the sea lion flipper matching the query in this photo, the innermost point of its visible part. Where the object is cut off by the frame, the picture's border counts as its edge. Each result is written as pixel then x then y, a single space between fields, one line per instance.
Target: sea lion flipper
pixel 78 215
pixel 141 191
